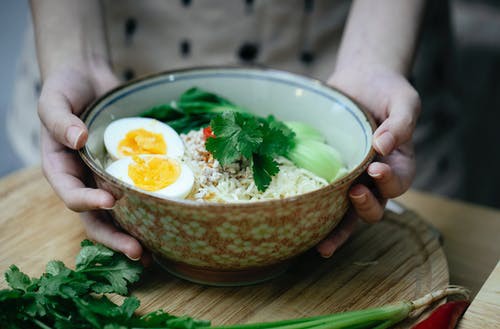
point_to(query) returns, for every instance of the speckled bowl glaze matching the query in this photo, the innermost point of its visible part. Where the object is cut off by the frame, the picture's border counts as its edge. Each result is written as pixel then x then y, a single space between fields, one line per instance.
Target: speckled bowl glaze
pixel 244 242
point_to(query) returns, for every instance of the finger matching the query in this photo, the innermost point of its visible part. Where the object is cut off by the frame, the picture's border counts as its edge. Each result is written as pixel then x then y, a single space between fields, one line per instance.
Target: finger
pixel 389 182
pixel 56 113
pixel 64 171
pixel 365 204
pixel 100 229
pixel 146 258
pixel 397 129
pixel 338 236
pixel 394 174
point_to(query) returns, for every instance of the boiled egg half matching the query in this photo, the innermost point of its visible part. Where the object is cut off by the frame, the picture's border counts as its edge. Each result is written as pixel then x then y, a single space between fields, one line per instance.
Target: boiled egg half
pixel 134 136
pixel 161 176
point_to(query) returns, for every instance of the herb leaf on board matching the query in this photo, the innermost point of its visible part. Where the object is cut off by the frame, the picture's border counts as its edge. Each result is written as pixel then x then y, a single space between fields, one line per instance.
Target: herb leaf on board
pixel 63 298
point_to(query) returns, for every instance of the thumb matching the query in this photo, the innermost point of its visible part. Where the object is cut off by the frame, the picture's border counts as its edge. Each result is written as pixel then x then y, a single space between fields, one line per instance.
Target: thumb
pixel 398 127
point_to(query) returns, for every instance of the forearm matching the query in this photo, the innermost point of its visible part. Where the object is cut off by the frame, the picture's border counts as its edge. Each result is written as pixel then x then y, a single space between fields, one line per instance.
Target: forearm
pixel 69 32
pixel 380 34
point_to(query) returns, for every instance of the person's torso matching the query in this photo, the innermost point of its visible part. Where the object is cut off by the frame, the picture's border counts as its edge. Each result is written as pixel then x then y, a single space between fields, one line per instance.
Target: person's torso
pixel 153 35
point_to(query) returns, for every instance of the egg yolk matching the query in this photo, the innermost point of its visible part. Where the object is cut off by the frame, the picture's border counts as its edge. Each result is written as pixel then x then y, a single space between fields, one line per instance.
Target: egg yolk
pixel 153 174
pixel 142 141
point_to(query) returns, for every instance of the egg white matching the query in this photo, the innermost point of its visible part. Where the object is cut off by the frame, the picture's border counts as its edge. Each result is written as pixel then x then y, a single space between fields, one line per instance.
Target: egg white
pixel 117 130
pixel 178 189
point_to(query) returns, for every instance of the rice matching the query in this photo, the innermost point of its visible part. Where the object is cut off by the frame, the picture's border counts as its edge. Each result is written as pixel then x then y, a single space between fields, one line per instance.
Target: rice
pixel 234 182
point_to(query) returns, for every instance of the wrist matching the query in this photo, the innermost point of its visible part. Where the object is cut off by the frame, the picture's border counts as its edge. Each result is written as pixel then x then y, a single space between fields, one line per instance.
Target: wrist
pixel 94 69
pixel 355 75
pixel 86 65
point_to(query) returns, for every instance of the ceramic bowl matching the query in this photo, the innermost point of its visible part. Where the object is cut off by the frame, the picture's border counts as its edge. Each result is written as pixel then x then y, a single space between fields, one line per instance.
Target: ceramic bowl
pixel 244 242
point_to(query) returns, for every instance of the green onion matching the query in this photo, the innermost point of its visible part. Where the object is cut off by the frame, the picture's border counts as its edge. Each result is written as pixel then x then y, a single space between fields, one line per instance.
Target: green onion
pixel 371 318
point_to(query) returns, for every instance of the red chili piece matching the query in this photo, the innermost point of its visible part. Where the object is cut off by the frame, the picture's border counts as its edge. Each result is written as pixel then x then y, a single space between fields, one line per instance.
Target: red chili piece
pixel 445 316
pixel 208 133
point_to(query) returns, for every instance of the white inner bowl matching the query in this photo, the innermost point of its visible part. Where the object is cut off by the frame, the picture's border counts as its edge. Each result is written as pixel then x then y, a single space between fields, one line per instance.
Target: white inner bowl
pixel 287 96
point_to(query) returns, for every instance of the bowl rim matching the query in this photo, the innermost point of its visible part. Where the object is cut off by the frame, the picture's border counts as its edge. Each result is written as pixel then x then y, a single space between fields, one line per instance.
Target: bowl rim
pixel 331 187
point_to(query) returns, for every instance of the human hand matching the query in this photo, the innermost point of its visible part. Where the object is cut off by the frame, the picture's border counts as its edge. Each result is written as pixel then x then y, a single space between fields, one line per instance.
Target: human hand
pixel 65 94
pixel 395 105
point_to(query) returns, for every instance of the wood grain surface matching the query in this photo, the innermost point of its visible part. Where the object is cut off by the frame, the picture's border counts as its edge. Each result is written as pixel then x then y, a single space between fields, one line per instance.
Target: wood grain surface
pixel 484 312
pixel 470 235
pixel 398 259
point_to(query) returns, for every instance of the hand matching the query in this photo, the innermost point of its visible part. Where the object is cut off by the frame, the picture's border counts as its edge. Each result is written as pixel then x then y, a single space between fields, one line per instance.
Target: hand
pixel 64 96
pixel 395 105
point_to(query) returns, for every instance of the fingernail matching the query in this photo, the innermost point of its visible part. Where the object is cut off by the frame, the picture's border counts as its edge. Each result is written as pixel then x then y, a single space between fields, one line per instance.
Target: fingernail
pixel 385 143
pixel 106 208
pixel 73 135
pixel 374 174
pixel 327 255
pixel 133 259
pixel 360 198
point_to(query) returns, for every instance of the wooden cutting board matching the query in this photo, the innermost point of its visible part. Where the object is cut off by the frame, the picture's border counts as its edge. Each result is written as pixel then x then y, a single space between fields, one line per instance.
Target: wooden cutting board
pixel 399 258
pixel 484 312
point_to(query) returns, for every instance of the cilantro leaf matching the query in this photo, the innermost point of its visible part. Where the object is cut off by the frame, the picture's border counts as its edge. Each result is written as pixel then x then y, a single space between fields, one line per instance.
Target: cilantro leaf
pixel 54 267
pixel 63 298
pixel 277 138
pixel 264 167
pixel 114 276
pixel 66 283
pixel 17 279
pixel 243 135
pixel 91 255
pixel 108 271
pixel 237 135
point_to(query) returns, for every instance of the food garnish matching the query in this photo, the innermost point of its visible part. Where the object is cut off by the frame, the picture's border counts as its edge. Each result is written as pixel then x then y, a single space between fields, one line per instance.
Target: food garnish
pixel 257 140
pixel 64 298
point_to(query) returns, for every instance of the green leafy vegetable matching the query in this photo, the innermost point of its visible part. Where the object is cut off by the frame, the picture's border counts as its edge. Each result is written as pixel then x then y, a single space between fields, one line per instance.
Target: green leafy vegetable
pixel 305 131
pixel 63 298
pixel 194 109
pixel 317 157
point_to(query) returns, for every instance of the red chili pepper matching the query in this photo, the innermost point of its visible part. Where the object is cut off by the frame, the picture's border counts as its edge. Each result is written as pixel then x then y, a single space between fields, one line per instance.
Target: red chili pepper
pixel 208 133
pixel 445 316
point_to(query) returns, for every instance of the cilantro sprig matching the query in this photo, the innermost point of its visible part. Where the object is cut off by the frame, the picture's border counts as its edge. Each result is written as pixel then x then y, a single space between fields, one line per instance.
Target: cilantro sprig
pixel 259 140
pixel 70 299
pixel 63 298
